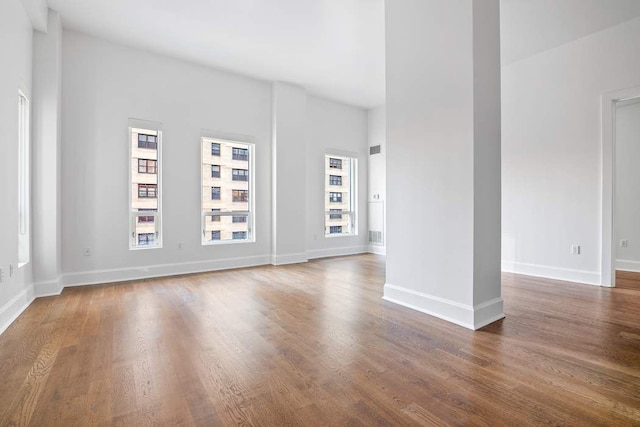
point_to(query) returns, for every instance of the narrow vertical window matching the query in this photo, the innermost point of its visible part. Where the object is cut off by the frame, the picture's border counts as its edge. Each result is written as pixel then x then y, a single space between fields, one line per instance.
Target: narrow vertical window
pixel 227 191
pixel 340 195
pixel 145 188
pixel 24 173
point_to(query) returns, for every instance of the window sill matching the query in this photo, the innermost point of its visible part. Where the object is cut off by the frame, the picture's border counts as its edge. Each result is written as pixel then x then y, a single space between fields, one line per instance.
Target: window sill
pixel 332 236
pixel 228 242
pixel 142 248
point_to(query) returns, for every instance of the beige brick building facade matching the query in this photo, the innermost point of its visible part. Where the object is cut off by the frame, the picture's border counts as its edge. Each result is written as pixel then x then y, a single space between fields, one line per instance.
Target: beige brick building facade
pixel 338 197
pixel 225 188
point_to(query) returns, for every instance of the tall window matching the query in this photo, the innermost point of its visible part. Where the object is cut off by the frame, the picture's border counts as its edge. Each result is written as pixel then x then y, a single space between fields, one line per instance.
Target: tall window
pixel 340 195
pixel 227 191
pixel 24 173
pixel 144 145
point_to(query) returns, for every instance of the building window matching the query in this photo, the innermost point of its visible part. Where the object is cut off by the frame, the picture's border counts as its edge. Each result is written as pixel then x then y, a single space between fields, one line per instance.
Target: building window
pixel 215 193
pixel 232 198
pixel 144 145
pixel 239 235
pixel 215 234
pixel 240 154
pixel 24 177
pixel 146 239
pixel 240 175
pixel 335 163
pixel 146 166
pixel 240 195
pixel 335 213
pixel 147 191
pixel 147 141
pixel 145 218
pixel 340 206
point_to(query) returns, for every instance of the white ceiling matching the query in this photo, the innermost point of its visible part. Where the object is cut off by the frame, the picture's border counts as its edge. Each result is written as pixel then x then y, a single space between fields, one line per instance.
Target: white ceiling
pixel 533 26
pixel 334 48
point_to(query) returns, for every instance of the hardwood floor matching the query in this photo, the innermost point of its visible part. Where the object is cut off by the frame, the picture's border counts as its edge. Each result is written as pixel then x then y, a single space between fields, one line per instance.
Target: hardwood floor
pixel 314 344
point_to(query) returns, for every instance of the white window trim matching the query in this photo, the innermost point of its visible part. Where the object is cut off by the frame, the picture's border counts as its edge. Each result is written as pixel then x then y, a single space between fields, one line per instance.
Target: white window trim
pixel 24 179
pixel 352 158
pixel 133 216
pixel 251 238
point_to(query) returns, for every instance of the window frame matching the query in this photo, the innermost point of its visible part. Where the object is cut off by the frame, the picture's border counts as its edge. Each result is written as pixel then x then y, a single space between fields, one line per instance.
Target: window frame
pixel 24 179
pixel 348 196
pixel 249 166
pixel 139 127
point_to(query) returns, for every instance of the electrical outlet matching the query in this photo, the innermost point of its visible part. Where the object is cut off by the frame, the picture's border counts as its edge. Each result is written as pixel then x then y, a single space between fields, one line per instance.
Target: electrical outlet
pixel 575 249
pixel 86 252
pixel 1 274
pixel 624 243
pixel 10 270
pixel 180 246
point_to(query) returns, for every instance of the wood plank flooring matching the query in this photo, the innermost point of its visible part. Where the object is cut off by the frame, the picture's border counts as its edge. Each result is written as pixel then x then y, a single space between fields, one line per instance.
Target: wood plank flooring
pixel 314 344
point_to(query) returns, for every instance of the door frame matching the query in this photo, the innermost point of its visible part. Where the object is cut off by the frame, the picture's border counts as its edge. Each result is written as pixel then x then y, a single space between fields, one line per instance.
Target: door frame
pixel 608 139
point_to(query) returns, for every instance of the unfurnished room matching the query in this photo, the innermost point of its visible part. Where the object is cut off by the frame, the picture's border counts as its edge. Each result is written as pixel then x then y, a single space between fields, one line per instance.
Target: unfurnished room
pixel 319 212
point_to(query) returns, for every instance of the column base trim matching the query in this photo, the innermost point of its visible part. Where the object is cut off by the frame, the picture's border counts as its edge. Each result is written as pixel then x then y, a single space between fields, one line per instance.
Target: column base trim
pixel 470 317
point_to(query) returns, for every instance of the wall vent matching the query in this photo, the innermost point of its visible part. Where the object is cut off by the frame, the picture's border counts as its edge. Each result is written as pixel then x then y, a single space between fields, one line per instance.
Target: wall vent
pixel 375 237
pixel 374 150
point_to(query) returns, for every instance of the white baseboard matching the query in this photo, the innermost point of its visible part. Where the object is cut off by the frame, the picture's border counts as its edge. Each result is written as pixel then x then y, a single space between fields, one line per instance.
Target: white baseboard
pixel 48 288
pixel 325 253
pixel 12 309
pixel 628 265
pixel 470 317
pixel 378 250
pixel 556 273
pixel 160 270
pixel 289 258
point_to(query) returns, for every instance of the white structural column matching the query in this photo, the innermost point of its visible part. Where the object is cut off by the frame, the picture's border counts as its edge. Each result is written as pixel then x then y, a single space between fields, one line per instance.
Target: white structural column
pixel 47 85
pixel 443 158
pixel 288 181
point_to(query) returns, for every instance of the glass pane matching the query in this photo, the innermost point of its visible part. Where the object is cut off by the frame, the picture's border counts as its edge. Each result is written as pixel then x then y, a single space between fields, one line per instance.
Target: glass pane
pixel 225 189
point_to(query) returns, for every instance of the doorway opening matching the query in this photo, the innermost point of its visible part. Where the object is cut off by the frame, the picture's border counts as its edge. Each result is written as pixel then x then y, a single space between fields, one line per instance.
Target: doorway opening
pixel 617 188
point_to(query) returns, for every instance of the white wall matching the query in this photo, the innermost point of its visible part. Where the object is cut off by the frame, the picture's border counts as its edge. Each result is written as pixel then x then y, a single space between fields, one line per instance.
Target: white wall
pixel 337 128
pixel 288 180
pixel 377 177
pixel 16 52
pixel 103 86
pixel 627 187
pixel 551 155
